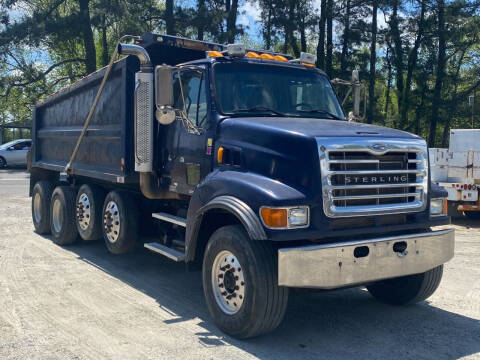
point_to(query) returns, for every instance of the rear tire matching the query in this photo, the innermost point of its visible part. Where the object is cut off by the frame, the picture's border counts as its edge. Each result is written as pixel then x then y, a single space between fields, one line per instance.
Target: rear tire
pixel 253 263
pixel 41 197
pixel 88 212
pixel 120 218
pixel 407 289
pixel 62 216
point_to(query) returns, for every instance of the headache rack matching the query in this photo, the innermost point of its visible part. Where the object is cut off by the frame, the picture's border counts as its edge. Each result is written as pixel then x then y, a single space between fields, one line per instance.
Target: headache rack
pixel 362 177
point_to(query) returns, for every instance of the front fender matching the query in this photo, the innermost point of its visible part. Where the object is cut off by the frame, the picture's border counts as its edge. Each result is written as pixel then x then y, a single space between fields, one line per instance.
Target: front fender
pixel 241 194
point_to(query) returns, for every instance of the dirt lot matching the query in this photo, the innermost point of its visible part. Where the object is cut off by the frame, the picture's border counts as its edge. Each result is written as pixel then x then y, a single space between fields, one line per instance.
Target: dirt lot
pixel 81 302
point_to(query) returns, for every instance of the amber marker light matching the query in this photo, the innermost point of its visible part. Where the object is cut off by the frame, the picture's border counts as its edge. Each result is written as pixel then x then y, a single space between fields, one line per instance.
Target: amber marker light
pixel 220 155
pixel 280 58
pixel 267 57
pixel 274 218
pixel 252 55
pixel 215 54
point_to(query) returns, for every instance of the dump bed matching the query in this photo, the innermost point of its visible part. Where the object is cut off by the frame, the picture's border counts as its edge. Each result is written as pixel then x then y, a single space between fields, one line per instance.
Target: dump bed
pixel 106 152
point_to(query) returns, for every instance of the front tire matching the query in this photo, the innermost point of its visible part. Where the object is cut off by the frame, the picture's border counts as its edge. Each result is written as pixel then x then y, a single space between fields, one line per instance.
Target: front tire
pixel 41 197
pixel 120 222
pixel 407 289
pixel 3 163
pixel 89 207
pixel 62 216
pixel 237 268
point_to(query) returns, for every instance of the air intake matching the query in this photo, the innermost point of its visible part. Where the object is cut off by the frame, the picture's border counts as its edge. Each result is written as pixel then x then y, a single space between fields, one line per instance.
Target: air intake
pixel 143 121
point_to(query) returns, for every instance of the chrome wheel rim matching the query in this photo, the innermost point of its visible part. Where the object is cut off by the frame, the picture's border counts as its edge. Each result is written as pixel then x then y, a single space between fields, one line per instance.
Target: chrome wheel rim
pixel 111 221
pixel 83 211
pixel 37 208
pixel 57 215
pixel 228 282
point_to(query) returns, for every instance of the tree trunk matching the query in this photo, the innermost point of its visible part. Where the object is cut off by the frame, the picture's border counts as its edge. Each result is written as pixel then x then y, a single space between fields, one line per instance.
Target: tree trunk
pixel 397 52
pixel 437 92
pixel 105 58
pixel 303 37
pixel 321 35
pixel 346 39
pixel 267 35
pixel 420 111
pixel 87 35
pixel 373 60
pixel 291 27
pixel 169 19
pixel 389 80
pixel 329 55
pixel 201 18
pixel 454 101
pixel 232 20
pixel 412 63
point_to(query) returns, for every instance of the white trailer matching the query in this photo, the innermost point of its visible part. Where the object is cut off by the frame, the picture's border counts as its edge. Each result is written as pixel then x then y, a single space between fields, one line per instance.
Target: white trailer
pixel 457 169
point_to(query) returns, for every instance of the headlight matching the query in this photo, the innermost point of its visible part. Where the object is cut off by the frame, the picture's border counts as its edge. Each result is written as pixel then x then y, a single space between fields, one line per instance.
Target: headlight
pixel 285 218
pixel 437 206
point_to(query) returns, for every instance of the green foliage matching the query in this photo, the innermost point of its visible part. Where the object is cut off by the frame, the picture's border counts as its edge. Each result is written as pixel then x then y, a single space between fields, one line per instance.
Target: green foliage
pixel 49 44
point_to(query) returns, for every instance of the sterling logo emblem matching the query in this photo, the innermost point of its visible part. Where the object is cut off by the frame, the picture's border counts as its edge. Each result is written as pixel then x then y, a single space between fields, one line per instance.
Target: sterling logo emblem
pixel 376 179
pixel 378 147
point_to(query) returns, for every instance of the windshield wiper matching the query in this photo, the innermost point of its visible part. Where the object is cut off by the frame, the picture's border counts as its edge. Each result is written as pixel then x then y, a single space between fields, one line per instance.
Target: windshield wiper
pixel 321 111
pixel 259 109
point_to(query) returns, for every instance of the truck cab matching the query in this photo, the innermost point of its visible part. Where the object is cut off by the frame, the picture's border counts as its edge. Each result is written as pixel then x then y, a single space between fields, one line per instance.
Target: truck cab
pixel 243 163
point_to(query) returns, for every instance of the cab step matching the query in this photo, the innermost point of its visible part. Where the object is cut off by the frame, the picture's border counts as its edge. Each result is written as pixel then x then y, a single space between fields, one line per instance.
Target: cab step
pixel 170 218
pixel 170 253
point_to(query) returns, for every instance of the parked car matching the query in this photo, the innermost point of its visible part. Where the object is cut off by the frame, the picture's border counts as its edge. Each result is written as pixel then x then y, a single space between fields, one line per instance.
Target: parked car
pixel 14 152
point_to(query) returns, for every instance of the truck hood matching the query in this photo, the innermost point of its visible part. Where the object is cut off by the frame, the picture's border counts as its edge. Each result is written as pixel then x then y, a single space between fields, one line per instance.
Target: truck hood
pixel 313 127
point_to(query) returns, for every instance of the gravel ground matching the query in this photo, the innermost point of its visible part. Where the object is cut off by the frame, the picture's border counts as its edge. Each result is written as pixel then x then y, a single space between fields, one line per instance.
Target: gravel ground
pixel 80 302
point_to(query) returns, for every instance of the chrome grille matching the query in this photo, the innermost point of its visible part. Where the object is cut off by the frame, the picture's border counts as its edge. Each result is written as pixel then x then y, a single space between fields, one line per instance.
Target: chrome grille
pixel 368 177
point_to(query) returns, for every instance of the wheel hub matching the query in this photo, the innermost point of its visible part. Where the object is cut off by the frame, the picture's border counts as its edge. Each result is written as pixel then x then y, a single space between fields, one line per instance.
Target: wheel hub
pixel 37 207
pixel 57 215
pixel 111 222
pixel 83 211
pixel 228 282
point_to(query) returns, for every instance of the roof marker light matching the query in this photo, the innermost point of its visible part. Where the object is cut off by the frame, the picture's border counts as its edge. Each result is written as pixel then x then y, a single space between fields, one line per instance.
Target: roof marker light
pixel 236 50
pixel 306 58
pixel 280 58
pixel 214 54
pixel 253 55
pixel 267 57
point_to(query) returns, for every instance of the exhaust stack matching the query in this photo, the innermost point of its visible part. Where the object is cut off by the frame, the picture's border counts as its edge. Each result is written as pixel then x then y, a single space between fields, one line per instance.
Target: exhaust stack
pixel 144 108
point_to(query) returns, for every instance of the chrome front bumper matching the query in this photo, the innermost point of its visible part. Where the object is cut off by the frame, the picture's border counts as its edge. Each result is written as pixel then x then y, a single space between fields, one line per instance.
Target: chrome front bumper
pixel 329 266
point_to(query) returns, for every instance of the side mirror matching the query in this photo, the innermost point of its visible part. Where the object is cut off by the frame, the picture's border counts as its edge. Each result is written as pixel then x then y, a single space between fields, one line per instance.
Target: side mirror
pixel 11 148
pixel 165 114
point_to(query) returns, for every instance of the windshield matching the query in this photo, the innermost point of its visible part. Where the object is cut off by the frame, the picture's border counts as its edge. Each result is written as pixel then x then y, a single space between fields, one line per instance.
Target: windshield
pixel 253 89
pixel 7 145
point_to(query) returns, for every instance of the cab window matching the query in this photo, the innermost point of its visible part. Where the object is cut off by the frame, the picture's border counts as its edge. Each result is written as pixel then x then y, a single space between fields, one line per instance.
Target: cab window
pixel 193 83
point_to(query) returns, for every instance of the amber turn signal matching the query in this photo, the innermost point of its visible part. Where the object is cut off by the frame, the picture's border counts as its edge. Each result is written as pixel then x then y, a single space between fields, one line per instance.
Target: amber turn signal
pixel 220 155
pixel 275 218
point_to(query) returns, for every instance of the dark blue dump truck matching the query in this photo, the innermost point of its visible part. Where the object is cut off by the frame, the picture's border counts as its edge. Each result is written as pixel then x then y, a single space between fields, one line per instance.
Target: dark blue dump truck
pixel 240 163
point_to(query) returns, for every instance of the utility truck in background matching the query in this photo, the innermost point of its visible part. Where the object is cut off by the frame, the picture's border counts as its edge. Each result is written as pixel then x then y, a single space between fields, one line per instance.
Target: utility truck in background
pixel 457 170
pixel 240 163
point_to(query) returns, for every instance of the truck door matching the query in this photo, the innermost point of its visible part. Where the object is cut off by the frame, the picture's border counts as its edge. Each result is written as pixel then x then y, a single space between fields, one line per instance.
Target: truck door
pixel 188 157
